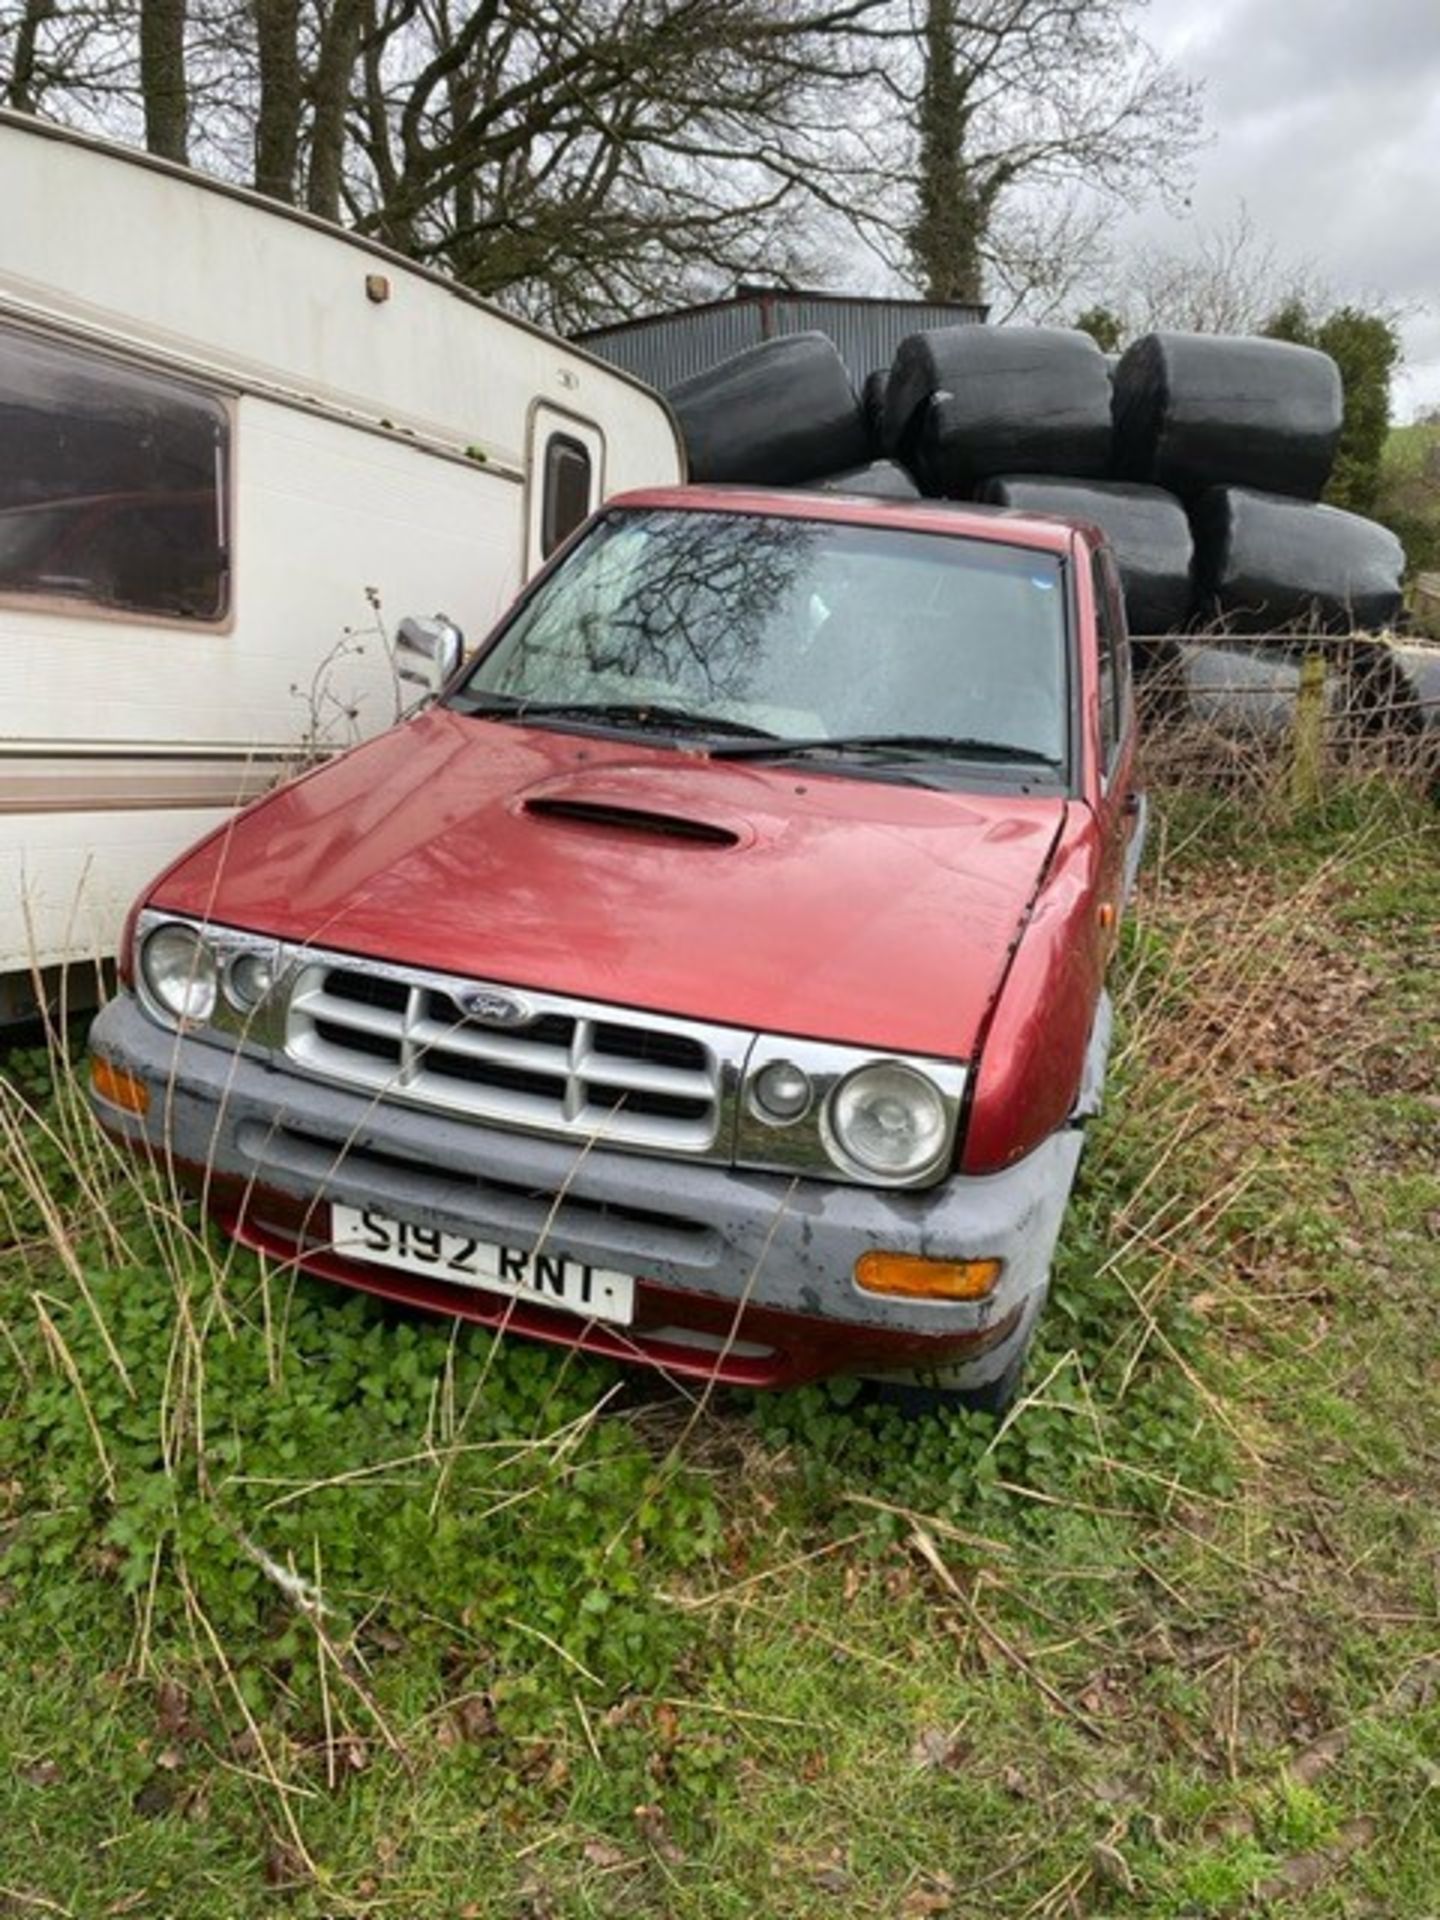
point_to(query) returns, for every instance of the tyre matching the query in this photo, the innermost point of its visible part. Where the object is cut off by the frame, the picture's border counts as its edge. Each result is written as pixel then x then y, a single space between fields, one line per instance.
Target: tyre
pixel 928 1391
pixel 916 1401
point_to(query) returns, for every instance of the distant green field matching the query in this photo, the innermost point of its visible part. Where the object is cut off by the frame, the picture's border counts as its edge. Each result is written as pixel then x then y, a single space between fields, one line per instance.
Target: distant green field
pixel 1406 448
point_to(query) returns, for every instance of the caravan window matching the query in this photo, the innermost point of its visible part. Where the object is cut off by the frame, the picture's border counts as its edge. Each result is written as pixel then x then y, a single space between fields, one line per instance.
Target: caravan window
pixel 112 483
pixel 567 490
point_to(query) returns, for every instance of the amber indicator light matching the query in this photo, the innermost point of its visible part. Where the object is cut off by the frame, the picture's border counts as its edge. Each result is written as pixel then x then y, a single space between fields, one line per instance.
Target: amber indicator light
pixel 920 1279
pixel 121 1089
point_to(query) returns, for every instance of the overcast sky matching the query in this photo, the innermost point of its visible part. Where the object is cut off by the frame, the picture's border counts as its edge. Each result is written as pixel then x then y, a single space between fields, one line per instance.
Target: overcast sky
pixel 1325 122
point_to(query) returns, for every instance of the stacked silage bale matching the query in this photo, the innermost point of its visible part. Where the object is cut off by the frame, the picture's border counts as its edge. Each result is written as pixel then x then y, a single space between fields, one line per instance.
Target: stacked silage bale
pixel 1201 457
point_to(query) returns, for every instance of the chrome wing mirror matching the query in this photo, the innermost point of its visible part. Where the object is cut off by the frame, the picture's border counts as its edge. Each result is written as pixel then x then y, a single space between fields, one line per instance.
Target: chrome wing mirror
pixel 427 652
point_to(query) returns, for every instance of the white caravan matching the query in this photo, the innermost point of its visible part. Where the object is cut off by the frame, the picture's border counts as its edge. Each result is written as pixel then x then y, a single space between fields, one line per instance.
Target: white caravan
pixel 236 446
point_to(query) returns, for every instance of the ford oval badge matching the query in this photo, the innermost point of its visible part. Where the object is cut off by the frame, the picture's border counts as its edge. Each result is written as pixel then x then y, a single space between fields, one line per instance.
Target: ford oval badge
pixel 492 1007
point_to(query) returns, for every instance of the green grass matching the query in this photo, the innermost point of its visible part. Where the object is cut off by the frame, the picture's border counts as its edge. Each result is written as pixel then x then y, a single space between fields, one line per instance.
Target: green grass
pixel 310 1607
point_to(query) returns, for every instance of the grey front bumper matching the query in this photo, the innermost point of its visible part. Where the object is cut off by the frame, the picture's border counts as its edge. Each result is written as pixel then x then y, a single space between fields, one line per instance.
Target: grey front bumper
pixel 771 1241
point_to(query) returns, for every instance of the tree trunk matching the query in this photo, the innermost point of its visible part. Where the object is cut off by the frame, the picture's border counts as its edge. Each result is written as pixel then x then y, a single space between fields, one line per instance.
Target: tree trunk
pixel 162 78
pixel 463 97
pixel 950 219
pixel 20 87
pixel 277 124
pixel 330 91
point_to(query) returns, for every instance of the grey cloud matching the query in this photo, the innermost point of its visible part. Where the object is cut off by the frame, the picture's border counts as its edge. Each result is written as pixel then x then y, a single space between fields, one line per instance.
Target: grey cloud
pixel 1326 117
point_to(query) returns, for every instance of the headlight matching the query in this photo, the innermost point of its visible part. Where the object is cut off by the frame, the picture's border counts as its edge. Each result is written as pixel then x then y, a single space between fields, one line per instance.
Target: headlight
pixel 180 972
pixel 889 1119
pixel 834 1112
pixel 226 980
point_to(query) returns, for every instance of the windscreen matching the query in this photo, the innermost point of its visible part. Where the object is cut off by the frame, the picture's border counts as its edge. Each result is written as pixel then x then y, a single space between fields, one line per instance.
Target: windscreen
pixel 800 628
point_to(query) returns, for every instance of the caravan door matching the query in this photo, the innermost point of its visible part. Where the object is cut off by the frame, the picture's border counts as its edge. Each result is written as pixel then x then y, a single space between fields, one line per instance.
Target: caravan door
pixel 566 467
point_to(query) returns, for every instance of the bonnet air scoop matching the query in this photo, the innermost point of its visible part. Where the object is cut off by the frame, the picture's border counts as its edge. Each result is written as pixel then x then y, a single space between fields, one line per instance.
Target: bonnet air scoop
pixel 617 816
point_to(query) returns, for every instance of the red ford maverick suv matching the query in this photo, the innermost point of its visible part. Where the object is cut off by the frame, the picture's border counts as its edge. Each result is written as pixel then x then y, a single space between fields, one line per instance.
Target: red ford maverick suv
pixel 711 976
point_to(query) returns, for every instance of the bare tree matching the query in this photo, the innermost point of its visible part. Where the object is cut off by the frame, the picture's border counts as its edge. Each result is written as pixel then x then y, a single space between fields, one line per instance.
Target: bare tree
pixel 583 160
pixel 578 158
pixel 1228 279
pixel 77 60
pixel 330 86
pixel 1029 113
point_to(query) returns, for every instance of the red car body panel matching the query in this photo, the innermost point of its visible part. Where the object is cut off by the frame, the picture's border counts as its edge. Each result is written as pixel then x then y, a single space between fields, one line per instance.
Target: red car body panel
pixel 1041 532
pixel 1032 1054
pixel 853 910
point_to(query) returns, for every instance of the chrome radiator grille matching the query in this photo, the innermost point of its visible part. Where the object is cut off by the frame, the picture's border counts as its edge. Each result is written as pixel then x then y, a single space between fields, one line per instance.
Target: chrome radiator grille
pixel 575 1068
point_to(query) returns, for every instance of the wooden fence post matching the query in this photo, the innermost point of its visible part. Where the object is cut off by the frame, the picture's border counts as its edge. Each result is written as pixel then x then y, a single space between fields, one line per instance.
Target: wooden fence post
pixel 1308 737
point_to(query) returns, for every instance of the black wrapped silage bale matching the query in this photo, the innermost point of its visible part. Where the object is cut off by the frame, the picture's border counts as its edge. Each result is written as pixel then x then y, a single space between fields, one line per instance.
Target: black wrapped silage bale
pixel 1148 528
pixel 1196 410
pixel 1267 564
pixel 983 400
pixel 1242 692
pixel 1397 696
pixel 1418 669
pixel 872 405
pixel 914 455
pixel 775 415
pixel 1246 691
pixel 880 480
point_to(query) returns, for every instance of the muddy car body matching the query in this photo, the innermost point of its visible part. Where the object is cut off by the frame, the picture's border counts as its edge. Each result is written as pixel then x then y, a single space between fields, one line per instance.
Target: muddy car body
pixel 711 977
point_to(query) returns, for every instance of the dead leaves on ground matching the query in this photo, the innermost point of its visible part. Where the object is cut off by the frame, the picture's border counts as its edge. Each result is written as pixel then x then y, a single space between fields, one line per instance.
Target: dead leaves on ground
pixel 1307 1871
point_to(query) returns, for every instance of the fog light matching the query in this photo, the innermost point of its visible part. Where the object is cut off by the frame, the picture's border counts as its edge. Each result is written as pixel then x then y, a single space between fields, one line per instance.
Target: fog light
pixel 248 979
pixel 121 1089
pixel 917 1278
pixel 782 1091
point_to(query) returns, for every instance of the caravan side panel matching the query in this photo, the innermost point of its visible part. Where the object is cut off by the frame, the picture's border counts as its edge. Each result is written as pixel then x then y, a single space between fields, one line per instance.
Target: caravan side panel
pixel 137 738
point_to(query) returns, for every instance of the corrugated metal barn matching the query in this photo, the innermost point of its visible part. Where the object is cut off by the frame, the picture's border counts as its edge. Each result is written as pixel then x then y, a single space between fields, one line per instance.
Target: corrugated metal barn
pixel 667 348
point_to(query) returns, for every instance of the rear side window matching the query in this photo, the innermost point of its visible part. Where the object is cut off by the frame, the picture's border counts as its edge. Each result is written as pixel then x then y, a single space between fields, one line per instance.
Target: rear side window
pixel 112 484
pixel 567 490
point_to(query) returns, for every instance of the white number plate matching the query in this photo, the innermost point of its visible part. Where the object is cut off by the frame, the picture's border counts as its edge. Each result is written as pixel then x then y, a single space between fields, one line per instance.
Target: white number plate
pixel 549 1278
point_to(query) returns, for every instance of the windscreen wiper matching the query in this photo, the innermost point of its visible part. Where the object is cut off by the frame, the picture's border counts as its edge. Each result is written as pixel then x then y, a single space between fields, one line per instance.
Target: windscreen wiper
pixel 879 745
pixel 650 714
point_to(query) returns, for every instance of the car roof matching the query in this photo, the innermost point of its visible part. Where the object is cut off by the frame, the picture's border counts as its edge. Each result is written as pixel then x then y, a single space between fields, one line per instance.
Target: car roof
pixel 958 519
